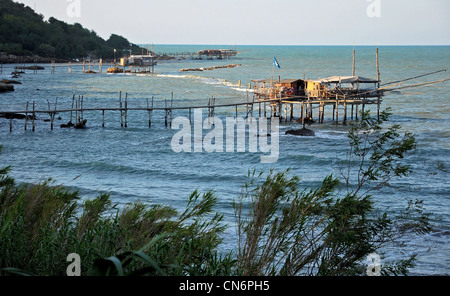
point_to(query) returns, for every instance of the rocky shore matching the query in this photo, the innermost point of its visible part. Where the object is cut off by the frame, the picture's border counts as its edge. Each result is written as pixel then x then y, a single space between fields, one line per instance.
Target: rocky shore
pixel 6 85
pixel 6 58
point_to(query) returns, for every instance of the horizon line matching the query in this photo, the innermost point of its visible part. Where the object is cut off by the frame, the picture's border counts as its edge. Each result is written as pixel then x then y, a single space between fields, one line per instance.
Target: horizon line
pixel 350 45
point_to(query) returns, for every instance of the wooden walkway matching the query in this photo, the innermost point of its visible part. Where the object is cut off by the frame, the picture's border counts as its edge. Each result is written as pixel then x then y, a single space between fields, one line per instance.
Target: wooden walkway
pixel 272 108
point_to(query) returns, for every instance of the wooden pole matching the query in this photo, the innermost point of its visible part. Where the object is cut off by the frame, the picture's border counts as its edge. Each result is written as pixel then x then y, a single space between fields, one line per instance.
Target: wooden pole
pixel 323 112
pixel 334 111
pixel 378 69
pixel 121 113
pixel 303 114
pixel 292 112
pixel 71 110
pixel 310 114
pixel 378 78
pixel 344 121
pixel 354 59
pixel 301 108
pixel 149 114
pixel 337 109
pixel 81 105
pixel 320 112
pixel 34 116
pixel 165 118
pixel 378 107
pixel 126 109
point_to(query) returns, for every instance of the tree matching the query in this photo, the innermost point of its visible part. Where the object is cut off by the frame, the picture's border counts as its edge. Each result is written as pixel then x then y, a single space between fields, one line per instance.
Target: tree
pixel 329 231
pixel 23 30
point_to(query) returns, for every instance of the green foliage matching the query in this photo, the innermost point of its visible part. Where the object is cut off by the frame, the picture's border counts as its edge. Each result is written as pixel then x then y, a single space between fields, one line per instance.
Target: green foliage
pixel 376 154
pixel 23 32
pixel 329 231
pixel 41 224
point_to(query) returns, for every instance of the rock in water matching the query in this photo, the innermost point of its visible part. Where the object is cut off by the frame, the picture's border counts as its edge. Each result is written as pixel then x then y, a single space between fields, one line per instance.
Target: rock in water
pixel 301 132
pixel 6 87
pixel 8 81
pixel 80 124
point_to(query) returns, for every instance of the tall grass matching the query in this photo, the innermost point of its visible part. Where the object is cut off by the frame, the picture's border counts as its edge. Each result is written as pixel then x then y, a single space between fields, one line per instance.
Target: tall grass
pixel 282 230
pixel 41 224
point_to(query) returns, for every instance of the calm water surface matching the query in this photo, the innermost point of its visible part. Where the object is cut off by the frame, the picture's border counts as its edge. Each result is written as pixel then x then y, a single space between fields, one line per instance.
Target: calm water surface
pixel 138 163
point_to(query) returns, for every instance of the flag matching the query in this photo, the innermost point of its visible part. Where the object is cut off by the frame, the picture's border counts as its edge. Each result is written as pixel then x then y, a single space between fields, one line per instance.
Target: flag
pixel 275 63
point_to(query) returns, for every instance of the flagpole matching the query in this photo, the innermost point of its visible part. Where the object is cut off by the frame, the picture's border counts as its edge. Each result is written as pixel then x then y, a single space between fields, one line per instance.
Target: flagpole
pixel 273 73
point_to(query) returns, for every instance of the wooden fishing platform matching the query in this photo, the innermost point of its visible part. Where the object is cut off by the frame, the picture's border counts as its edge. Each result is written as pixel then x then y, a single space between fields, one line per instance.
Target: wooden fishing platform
pixel 271 99
pixel 269 108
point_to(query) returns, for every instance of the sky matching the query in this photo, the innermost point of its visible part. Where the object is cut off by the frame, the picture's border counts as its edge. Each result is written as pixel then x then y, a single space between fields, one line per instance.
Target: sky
pixel 259 22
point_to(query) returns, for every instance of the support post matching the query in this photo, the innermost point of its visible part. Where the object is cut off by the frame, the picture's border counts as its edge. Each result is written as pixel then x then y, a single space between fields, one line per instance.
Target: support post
pixel 337 109
pixel 126 109
pixel 81 106
pixel 354 59
pixel 378 78
pixel 165 109
pixel 302 107
pixel 71 110
pixel 54 113
pixel 285 112
pixel 303 114
pixel 344 121
pixel 121 111
pixel 292 111
pixel 26 117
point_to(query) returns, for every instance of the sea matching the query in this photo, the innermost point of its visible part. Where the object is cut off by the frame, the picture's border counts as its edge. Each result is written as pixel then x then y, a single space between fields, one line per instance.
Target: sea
pixel 138 163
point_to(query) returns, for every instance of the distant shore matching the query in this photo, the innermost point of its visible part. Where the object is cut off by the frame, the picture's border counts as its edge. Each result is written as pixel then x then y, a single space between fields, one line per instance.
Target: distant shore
pixel 6 58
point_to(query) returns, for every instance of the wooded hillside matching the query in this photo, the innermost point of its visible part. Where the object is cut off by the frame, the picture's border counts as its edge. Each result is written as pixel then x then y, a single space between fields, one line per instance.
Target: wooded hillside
pixel 23 32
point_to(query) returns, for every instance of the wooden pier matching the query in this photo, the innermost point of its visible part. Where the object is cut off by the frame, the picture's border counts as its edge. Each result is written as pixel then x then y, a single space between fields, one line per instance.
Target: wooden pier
pixel 284 109
pixel 348 97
